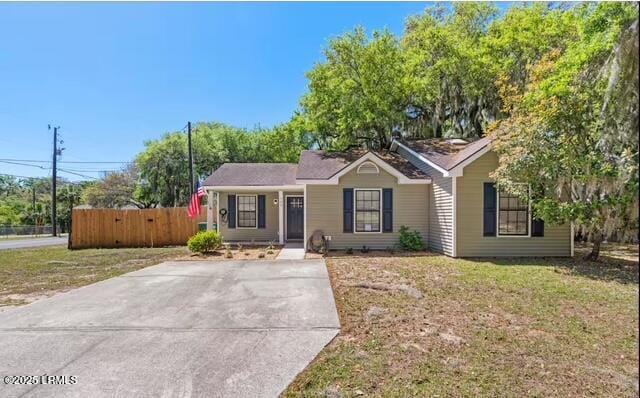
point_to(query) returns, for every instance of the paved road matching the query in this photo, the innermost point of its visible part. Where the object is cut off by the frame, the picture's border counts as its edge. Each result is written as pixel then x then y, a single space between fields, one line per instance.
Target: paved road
pixel 32 242
pixel 178 329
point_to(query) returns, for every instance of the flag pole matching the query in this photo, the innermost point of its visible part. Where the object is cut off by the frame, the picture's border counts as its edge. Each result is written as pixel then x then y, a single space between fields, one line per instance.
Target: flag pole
pixel 191 183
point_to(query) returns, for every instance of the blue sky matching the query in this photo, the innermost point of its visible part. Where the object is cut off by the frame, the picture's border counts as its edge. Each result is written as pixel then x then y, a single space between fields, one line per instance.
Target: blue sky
pixel 115 75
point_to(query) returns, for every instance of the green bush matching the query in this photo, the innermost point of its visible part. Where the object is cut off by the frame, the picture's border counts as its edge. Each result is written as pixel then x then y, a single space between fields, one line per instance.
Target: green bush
pixel 410 240
pixel 204 242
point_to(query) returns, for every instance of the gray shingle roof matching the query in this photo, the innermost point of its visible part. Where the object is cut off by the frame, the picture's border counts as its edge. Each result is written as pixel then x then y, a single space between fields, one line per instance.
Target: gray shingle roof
pixel 258 174
pixel 320 165
pixel 446 154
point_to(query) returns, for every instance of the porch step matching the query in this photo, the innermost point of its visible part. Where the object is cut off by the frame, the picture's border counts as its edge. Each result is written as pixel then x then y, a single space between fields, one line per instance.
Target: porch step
pixel 291 251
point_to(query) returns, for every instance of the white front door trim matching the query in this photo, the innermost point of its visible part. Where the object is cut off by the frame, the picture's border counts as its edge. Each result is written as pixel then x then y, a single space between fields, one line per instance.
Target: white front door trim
pixel 304 206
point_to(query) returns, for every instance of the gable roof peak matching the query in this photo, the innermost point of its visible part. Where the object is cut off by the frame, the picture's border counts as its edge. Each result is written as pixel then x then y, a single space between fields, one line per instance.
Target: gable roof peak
pixel 447 153
pixel 322 165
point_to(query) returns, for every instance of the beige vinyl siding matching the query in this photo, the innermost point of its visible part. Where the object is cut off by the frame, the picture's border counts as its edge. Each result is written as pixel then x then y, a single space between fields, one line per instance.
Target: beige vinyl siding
pixel 440 238
pixel 270 233
pixel 471 243
pixel 324 210
pixel 441 215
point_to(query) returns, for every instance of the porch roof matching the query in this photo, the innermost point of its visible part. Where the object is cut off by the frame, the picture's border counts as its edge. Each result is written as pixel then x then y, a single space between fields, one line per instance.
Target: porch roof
pixel 253 174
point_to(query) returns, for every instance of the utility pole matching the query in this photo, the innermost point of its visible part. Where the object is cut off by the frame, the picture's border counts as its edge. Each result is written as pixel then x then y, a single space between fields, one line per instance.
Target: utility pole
pixel 34 219
pixel 190 159
pixel 33 204
pixel 54 218
pixel 54 180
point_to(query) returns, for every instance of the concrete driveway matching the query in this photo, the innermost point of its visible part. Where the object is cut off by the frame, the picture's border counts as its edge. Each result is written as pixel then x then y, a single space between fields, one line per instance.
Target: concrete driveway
pixel 178 329
pixel 32 242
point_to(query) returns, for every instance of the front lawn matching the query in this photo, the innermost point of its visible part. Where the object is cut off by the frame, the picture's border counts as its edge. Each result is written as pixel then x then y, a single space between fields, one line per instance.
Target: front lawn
pixel 513 327
pixel 29 274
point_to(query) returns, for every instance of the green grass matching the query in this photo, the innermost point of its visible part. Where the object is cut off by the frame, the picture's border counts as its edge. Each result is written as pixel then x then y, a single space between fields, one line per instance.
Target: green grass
pixel 27 274
pixel 534 327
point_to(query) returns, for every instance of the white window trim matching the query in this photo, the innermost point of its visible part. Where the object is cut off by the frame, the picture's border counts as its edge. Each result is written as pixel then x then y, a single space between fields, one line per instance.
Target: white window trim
pixel 368 163
pixel 238 211
pixel 528 235
pixel 286 215
pixel 355 211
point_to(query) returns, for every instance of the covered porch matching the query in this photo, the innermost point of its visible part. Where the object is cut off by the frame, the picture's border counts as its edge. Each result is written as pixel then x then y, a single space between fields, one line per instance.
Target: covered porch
pixel 257 214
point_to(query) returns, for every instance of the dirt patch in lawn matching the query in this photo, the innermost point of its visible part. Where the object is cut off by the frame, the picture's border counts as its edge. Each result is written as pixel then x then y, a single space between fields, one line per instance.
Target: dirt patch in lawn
pixel 368 254
pixel 508 327
pixel 238 252
pixel 611 253
pixel 27 275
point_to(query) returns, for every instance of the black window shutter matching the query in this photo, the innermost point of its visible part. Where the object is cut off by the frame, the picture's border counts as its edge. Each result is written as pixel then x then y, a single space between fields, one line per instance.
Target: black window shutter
pixel 490 208
pixel 387 210
pixel 231 210
pixel 261 211
pixel 347 210
pixel 537 227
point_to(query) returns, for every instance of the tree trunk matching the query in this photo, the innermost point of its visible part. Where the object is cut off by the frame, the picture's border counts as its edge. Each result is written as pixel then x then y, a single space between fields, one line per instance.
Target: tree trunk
pixel 595 251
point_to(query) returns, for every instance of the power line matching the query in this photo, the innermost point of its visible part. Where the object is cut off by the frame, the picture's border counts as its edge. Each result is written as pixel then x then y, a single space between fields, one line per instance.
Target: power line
pixel 26 160
pixel 62 161
pixel 24 164
pixel 67 170
pixel 87 162
pixel 77 174
pixel 94 170
pixel 64 182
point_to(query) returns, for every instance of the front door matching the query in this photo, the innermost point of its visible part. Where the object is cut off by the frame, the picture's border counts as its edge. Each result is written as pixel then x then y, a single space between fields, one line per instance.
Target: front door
pixel 295 217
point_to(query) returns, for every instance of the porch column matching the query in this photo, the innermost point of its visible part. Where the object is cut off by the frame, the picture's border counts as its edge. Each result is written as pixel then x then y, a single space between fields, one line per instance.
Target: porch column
pixel 304 217
pixel 281 217
pixel 210 209
pixel 217 211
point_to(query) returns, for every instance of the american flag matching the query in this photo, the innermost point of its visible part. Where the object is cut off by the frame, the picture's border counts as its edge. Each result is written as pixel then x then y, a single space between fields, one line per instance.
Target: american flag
pixel 194 205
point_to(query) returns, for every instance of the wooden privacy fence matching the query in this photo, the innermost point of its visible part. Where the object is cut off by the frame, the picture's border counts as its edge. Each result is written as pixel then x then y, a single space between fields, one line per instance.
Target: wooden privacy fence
pixel 133 228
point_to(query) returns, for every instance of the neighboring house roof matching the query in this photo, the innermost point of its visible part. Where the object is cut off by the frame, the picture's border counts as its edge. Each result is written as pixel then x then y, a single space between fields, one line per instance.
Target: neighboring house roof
pixel 253 174
pixel 447 153
pixel 321 165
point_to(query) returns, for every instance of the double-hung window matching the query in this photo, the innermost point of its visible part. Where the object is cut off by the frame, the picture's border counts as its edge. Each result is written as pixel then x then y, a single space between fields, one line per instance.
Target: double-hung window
pixel 513 214
pixel 367 210
pixel 247 211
